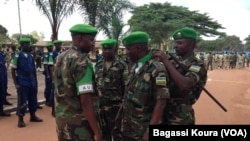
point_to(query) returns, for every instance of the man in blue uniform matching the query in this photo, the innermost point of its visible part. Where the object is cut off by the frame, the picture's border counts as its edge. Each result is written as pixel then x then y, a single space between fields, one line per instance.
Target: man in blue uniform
pixel 3 82
pixel 23 72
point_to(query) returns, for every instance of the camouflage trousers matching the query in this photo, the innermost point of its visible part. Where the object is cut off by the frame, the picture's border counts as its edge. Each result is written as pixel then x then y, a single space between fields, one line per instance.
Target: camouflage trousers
pixel 77 131
pixel 180 116
pixel 111 131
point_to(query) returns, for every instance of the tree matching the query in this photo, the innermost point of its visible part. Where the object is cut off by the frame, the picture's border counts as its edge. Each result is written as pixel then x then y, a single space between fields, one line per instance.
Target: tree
pixel 111 14
pixel 37 36
pixel 3 30
pixel 160 20
pixel 89 10
pixel 55 11
pixel 106 15
pixel 3 35
pixel 16 37
pixel 232 43
pixel 208 45
pixel 247 44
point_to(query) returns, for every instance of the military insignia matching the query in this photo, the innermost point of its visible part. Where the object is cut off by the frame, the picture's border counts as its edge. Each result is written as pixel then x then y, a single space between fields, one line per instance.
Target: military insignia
pixel 194 68
pixel 161 81
pixel 179 34
pixel 85 88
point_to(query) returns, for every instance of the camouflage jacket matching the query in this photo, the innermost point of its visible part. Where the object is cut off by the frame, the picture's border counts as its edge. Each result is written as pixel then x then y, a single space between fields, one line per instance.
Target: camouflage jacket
pixel 70 69
pixel 143 89
pixel 180 104
pixel 110 82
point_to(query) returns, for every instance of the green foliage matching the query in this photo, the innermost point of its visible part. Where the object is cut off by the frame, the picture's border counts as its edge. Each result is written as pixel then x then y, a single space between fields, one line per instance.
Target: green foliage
pixel 231 43
pixel 106 15
pixel 160 20
pixel 89 10
pixel 4 38
pixel 3 30
pixel 37 36
pixel 55 11
pixel 209 45
pixel 247 44
pixel 16 37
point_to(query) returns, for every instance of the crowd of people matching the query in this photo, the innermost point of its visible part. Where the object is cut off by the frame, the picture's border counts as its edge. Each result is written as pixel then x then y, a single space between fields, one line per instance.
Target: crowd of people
pixel 224 60
pixel 110 97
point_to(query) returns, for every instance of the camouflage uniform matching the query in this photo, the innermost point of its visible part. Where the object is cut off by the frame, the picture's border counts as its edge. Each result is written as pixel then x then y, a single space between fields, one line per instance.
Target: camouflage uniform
pixel 143 89
pixel 73 76
pixel 179 109
pixel 110 85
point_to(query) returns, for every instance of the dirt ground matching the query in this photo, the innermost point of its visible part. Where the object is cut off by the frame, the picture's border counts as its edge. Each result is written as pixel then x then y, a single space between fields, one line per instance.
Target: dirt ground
pixel 230 87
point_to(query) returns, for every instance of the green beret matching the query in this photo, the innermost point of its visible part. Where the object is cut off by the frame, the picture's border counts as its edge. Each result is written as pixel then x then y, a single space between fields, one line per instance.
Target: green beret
pixel 109 43
pixel 83 29
pixel 57 42
pixel 135 38
pixel 25 40
pixel 185 33
pixel 49 44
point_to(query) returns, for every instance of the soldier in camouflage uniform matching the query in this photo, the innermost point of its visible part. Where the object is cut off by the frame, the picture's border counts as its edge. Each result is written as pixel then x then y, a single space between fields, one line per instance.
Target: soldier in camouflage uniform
pixel 73 78
pixel 111 72
pixel 146 92
pixel 184 84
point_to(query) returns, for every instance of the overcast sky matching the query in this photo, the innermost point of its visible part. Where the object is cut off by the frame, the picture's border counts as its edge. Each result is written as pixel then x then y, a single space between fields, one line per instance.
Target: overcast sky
pixel 234 15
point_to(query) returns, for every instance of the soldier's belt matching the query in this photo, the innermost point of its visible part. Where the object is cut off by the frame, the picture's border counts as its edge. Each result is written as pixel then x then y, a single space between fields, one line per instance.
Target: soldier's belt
pixel 181 108
pixel 26 75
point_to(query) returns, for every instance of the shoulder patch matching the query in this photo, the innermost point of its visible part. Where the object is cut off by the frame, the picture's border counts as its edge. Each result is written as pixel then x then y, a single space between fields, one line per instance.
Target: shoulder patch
pixel 194 68
pixel 160 81
pixel 159 66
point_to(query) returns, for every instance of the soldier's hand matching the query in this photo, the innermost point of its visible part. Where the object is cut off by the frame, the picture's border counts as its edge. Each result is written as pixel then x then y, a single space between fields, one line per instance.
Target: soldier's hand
pixel 98 137
pixel 161 55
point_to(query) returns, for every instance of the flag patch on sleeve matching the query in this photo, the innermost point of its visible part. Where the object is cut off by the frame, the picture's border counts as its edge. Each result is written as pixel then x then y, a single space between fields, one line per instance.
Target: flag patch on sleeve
pixel 161 81
pixel 194 68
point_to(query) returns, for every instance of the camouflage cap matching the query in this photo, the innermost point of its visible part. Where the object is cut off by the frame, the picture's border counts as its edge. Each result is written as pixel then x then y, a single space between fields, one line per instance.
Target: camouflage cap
pixel 83 29
pixel 109 43
pixel 57 42
pixel 25 40
pixel 135 38
pixel 185 33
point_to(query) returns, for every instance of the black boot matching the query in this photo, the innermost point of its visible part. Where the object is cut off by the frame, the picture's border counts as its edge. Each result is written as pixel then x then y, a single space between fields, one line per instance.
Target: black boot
pixel 2 113
pixel 39 107
pixel 34 118
pixel 20 122
pixel 53 111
